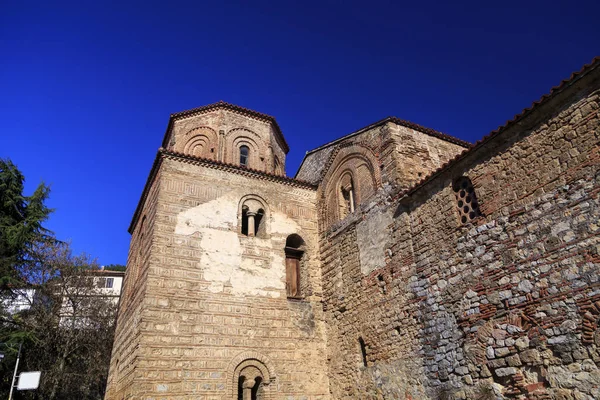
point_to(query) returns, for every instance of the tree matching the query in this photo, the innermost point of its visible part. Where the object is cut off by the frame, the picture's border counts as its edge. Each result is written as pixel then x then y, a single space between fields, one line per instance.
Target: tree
pixel 115 267
pixel 21 229
pixel 73 326
pixel 67 332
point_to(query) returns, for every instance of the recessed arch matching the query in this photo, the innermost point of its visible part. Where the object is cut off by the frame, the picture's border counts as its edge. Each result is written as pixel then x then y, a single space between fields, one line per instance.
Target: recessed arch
pixel 201 141
pixel 238 137
pixel 251 365
pixel 252 206
pixel 294 265
pixel 356 165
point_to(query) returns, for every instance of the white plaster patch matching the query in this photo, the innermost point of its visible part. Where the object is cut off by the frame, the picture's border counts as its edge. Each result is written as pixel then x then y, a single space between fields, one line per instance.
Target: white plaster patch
pixel 372 237
pixel 218 213
pixel 260 271
pixel 282 224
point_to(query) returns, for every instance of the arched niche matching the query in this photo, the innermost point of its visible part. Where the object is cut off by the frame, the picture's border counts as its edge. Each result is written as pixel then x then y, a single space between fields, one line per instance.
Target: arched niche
pixel 253 216
pixel 199 142
pixel 238 137
pixel 295 271
pixel 351 167
pixel 250 376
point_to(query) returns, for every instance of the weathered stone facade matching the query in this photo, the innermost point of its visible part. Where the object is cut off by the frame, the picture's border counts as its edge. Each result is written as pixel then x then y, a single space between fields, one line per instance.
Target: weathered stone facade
pixel 425 271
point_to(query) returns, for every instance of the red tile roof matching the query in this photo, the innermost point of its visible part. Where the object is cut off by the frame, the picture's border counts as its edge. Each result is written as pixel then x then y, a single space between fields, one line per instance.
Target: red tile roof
pixel 231 107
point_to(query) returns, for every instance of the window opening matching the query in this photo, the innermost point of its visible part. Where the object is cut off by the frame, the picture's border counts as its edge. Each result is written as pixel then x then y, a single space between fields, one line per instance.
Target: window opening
pixel 381 283
pixel 256 389
pixel 348 195
pixel 245 221
pixel 241 380
pixel 109 283
pixel 363 351
pixel 466 200
pixel 293 255
pixel 347 199
pixel 244 153
pixel 258 227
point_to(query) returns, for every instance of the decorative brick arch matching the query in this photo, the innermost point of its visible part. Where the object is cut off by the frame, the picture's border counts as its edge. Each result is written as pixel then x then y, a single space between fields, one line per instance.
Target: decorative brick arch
pixel 255 363
pixel 254 203
pixel 237 137
pixel 199 142
pixel 361 164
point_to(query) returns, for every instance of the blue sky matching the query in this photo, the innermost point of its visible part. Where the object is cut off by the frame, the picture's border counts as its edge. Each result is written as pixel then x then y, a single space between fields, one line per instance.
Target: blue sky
pixel 87 89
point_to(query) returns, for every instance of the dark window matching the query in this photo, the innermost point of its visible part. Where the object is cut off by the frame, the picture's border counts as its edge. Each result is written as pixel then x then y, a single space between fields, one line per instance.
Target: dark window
pixel 245 221
pixel 241 380
pixel 363 351
pixel 258 226
pixel 466 200
pixel 109 282
pixel 256 392
pixel 244 153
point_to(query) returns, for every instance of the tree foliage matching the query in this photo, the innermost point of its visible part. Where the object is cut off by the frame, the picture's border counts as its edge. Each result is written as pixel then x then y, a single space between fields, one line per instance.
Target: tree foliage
pixel 21 230
pixel 67 327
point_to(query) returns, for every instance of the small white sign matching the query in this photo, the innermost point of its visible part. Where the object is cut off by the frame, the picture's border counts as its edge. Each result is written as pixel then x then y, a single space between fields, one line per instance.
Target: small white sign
pixel 29 380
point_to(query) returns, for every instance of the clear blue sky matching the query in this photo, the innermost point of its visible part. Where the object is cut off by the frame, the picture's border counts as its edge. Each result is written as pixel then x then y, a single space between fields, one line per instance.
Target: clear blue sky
pixel 86 88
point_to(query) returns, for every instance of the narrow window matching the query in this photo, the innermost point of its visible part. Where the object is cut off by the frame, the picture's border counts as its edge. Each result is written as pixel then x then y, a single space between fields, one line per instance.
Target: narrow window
pixel 244 153
pixel 466 200
pixel 241 380
pixel 293 257
pixel 256 393
pixel 245 220
pixel 363 351
pixel 258 226
pixel 109 283
pixel 347 195
pixel 381 283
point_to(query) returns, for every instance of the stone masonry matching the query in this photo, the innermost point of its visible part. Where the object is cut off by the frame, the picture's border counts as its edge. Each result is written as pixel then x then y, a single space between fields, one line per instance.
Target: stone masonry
pixel 400 263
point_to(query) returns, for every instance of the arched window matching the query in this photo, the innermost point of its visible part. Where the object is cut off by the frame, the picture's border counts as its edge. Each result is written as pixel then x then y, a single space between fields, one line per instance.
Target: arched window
pixel 252 218
pixel 244 155
pixel 466 200
pixel 294 250
pixel 347 196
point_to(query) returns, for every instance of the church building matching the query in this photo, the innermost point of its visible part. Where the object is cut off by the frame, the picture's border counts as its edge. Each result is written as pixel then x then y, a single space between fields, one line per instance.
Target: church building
pixel 399 262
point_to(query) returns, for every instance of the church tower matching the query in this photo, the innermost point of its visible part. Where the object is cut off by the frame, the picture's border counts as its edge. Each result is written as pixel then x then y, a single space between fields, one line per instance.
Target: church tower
pixel 222 295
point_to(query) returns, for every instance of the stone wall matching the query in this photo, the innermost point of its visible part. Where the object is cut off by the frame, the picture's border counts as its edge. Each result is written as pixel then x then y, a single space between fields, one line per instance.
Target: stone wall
pixel 216 299
pixel 507 305
pixel 124 369
pixel 218 133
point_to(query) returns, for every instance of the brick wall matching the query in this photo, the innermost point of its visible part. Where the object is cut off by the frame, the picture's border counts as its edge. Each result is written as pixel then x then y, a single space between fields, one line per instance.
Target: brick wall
pixel 509 303
pixel 216 298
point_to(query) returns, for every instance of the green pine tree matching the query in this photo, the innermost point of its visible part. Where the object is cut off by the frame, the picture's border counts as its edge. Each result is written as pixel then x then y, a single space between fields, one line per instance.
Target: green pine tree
pixel 21 229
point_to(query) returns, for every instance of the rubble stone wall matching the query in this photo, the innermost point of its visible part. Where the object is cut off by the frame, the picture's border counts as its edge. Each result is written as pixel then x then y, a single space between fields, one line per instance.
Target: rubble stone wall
pixel 508 305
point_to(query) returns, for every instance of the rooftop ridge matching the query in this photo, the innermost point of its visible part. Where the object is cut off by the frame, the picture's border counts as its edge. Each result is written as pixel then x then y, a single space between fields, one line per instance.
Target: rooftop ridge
pixel 402 122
